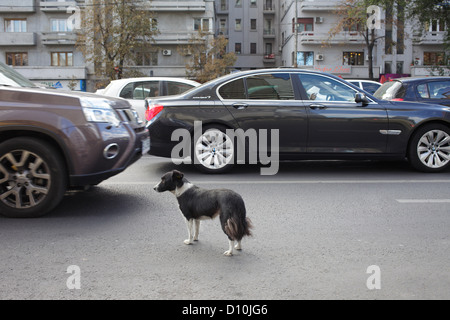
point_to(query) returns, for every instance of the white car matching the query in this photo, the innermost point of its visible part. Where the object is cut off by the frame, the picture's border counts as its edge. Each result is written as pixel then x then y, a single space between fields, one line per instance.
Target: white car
pixel 136 90
pixel 366 85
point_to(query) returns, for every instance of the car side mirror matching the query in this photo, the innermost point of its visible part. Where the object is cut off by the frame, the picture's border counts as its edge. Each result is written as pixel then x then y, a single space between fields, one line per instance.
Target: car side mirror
pixel 361 98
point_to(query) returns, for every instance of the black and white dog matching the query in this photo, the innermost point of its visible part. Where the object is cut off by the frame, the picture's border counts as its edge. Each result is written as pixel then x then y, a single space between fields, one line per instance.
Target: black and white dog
pixel 198 204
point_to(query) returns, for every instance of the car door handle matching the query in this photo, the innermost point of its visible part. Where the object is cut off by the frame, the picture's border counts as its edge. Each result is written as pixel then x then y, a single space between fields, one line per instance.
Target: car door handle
pixel 240 106
pixel 317 106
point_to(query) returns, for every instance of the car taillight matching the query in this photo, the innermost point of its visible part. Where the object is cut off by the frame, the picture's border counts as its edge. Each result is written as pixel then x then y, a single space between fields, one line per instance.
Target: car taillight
pixel 152 111
pixel 398 99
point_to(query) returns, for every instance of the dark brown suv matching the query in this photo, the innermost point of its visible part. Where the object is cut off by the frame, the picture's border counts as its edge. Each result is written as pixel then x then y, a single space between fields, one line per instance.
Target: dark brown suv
pixel 52 141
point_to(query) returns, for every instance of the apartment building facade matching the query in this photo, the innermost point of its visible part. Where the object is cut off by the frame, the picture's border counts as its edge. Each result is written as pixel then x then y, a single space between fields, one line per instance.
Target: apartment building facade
pixel 178 24
pixel 252 30
pixel 400 50
pixel 38 38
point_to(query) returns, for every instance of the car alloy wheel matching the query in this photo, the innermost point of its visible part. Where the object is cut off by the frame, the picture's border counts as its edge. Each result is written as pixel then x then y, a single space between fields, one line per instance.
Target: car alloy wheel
pixel 32 178
pixel 25 179
pixel 430 148
pixel 214 151
pixel 433 149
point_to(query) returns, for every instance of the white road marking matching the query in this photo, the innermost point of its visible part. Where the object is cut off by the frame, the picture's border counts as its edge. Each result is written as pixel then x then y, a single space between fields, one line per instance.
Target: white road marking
pixel 423 200
pixel 268 182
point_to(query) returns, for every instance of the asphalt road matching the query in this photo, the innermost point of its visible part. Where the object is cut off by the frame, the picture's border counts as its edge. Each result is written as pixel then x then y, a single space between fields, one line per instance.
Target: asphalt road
pixel 319 226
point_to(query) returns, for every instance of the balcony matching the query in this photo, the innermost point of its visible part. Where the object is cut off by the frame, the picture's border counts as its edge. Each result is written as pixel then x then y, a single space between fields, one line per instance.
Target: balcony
pixel 181 6
pixel 269 8
pixel 57 6
pixel 168 38
pixel 320 5
pixel 316 38
pixel 429 38
pixel 18 39
pixel 16 6
pixel 59 38
pixel 269 33
pixel 54 73
pixel 269 59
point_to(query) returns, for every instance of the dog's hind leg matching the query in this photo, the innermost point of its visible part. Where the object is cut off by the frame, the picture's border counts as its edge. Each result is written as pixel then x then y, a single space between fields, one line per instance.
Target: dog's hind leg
pixel 229 252
pixel 189 224
pixel 197 229
pixel 238 246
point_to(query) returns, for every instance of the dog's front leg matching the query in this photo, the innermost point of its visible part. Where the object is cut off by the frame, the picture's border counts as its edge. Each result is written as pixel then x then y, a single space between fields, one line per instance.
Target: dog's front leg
pixel 189 224
pixel 197 229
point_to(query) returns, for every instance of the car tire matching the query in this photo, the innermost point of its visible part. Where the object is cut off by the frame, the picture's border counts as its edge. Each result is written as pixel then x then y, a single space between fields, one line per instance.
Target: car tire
pixel 214 151
pixel 429 149
pixel 33 178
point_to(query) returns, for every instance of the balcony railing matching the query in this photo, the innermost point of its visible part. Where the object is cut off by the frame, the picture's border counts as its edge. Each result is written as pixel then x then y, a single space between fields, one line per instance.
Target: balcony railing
pixel 16 6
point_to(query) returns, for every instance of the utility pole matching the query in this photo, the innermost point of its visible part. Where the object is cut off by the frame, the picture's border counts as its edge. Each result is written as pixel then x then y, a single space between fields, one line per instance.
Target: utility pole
pixel 296 35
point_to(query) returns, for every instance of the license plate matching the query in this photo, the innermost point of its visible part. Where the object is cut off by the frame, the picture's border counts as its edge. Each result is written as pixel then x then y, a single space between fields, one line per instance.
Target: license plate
pixel 145 146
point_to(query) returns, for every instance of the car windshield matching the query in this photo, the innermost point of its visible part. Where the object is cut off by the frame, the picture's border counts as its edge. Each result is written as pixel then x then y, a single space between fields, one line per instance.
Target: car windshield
pixel 388 90
pixel 10 77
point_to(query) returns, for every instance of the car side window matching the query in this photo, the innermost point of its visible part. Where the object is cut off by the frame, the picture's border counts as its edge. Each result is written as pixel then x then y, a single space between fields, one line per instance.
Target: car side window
pixel 233 90
pixel 422 90
pixel 277 86
pixel 322 88
pixel 370 87
pixel 140 90
pixel 175 88
pixel 439 89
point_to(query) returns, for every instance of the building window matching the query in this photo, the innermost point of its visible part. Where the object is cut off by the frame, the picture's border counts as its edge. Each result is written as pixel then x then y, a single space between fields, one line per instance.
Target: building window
pixel 238 3
pixel 238 25
pixel 399 67
pixel 388 67
pixel 62 59
pixel 146 58
pixel 201 25
pixel 17 58
pixel 252 48
pixel 433 58
pixel 435 25
pixel 253 24
pixel 305 58
pixel 303 24
pixel 252 3
pixel 15 25
pixel 353 59
pixel 60 25
pixel 237 48
pixel 223 27
pixel 269 49
pixel 223 5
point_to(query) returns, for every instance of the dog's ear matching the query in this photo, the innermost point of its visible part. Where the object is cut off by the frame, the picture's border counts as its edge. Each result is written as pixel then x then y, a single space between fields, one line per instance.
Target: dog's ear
pixel 177 175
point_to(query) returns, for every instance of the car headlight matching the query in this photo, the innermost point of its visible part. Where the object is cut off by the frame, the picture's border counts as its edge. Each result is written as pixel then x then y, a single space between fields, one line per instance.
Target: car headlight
pixel 99 110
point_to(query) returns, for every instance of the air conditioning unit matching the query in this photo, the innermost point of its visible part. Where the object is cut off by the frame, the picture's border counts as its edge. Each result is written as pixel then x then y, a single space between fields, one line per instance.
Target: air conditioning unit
pixel 319 57
pixel 167 52
pixel 417 62
pixel 319 19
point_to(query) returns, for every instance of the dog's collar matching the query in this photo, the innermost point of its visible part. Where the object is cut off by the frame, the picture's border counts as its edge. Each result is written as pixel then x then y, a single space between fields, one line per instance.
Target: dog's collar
pixel 186 186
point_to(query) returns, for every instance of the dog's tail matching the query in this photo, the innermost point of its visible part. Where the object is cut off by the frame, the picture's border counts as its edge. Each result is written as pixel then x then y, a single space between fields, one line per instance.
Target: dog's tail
pixel 237 228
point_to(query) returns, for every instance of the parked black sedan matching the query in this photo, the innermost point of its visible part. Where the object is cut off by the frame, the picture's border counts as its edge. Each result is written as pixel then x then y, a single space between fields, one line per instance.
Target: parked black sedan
pixel 435 90
pixel 312 115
